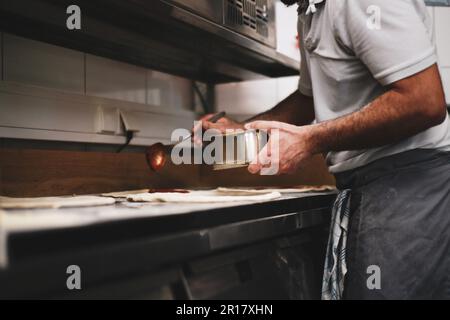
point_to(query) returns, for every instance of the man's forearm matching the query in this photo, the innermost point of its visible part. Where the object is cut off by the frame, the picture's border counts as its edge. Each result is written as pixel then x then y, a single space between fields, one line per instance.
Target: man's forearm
pixel 296 109
pixel 389 119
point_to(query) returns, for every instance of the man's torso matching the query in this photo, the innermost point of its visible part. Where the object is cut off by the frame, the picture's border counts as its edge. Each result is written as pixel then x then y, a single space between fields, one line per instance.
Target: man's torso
pixel 341 83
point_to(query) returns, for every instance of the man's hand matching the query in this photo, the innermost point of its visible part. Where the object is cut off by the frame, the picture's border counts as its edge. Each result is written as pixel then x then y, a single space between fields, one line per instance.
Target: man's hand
pixel 221 125
pixel 287 148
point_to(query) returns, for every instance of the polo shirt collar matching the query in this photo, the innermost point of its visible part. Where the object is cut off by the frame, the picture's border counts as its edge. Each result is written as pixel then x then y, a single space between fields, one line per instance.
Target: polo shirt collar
pixel 312 6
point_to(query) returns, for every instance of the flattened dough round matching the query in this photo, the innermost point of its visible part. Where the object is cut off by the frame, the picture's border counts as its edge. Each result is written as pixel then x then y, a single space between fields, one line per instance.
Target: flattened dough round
pixel 202 197
pixel 54 202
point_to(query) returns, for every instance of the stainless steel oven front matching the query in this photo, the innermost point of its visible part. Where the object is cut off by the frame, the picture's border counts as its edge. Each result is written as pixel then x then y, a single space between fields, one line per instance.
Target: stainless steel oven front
pixel 252 18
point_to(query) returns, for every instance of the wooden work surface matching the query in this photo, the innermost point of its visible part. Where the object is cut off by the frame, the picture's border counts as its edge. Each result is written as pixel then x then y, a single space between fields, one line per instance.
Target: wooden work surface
pixel 35 173
pixel 29 173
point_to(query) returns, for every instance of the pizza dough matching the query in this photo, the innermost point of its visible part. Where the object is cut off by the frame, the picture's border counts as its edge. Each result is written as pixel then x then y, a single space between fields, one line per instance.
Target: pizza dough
pixel 54 202
pixel 213 196
pixel 221 195
pixel 123 194
pixel 300 189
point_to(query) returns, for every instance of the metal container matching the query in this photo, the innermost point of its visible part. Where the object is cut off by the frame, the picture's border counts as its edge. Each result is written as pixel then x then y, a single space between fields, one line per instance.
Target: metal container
pixel 240 149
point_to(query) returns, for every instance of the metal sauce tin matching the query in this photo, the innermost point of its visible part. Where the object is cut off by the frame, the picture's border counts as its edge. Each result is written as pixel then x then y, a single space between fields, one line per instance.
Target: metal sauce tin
pixel 240 148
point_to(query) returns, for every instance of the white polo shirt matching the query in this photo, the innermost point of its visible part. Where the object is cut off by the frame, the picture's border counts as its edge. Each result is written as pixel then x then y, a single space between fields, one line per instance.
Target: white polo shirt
pixel 348 59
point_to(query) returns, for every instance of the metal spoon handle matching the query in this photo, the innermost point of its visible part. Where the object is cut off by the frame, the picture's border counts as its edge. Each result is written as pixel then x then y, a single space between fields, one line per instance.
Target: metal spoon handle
pixel 217 117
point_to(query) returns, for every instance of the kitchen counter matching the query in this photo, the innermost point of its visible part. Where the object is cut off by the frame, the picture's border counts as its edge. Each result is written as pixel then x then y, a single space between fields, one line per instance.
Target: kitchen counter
pixel 158 250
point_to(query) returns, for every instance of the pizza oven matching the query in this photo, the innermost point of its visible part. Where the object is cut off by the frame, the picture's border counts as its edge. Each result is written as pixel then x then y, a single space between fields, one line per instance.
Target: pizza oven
pixel 252 18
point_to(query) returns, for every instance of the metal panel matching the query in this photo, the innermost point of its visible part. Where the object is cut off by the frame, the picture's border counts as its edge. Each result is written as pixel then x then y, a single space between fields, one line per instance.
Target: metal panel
pixel 37 63
pixel 167 90
pixel 35 113
pixel 250 231
pixel 254 18
pixel 247 98
pixel 211 9
pixel 115 80
pixel 149 125
pixel 25 111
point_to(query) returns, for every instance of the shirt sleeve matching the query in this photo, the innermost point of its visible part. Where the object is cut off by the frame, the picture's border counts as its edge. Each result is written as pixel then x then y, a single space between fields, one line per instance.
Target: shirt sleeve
pixel 392 38
pixel 304 84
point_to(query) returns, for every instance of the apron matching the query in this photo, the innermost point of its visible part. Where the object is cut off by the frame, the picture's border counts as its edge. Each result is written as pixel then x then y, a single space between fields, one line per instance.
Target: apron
pixel 392 215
